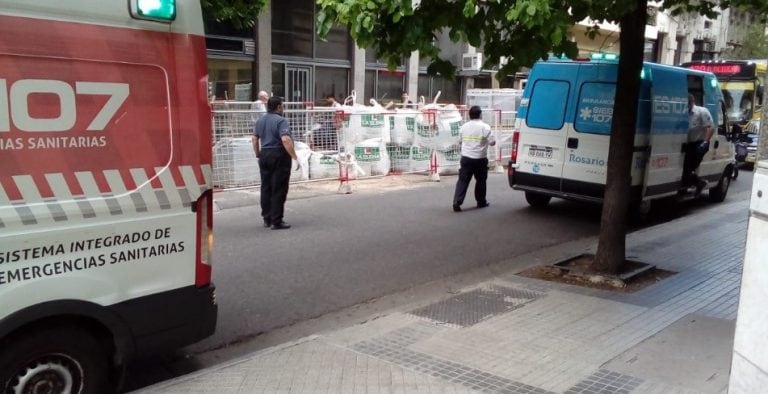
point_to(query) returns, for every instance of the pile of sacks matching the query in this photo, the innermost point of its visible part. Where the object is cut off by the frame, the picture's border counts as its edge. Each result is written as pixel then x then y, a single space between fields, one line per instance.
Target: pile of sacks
pixel 403 139
pixel 374 141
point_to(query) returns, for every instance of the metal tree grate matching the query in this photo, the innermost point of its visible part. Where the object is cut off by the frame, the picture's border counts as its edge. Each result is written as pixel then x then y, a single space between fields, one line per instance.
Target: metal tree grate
pixel 472 307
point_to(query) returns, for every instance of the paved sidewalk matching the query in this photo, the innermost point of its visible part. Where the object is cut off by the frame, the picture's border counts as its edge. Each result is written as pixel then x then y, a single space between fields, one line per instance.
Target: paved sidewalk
pixel 518 335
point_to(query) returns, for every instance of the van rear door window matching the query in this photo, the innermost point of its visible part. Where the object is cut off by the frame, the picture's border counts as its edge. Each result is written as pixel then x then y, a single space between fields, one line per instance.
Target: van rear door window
pixel 547 104
pixel 594 111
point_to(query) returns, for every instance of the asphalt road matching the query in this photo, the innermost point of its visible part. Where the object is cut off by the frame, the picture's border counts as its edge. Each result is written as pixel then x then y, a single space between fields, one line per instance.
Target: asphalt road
pixel 344 250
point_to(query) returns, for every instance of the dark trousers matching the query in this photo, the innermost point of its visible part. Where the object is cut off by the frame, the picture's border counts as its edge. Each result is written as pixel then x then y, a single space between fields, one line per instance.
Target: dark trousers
pixel 469 168
pixel 275 169
pixel 691 162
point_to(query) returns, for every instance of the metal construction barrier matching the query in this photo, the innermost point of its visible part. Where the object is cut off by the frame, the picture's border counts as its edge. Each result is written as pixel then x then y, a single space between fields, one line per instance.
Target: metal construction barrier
pixel 350 143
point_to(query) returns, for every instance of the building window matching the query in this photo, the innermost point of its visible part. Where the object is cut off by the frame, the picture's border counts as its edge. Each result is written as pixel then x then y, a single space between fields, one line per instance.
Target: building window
pixel 482 82
pixel 650 51
pixel 450 90
pixel 679 50
pixel 425 87
pixel 331 81
pixel 213 27
pixel 384 86
pixel 293 27
pixel 390 85
pixel 229 79
pixel 293 33
pixel 278 79
pixel 429 86
pixel 337 44
pixel 370 85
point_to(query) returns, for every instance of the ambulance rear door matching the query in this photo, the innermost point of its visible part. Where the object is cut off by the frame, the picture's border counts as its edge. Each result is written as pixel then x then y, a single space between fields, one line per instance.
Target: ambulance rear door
pixel 586 155
pixel 543 125
pixel 669 131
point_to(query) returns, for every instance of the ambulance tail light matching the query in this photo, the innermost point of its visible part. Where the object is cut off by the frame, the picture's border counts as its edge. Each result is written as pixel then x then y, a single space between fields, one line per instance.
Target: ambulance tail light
pixel 204 209
pixel 515 144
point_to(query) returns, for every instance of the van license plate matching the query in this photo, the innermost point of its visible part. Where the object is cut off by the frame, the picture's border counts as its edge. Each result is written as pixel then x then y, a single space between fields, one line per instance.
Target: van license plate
pixel 540 151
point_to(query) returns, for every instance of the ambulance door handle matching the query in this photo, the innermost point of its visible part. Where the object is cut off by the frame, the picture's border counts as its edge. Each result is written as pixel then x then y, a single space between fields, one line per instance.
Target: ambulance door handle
pixel 717 144
pixel 573 143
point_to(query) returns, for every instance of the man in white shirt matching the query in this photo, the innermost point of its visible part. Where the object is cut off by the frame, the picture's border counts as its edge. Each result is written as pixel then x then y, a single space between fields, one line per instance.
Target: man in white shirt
pixel 259 107
pixel 700 131
pixel 476 137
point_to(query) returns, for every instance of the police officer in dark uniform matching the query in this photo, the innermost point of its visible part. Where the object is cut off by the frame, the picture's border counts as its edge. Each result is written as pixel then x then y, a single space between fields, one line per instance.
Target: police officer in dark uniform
pixel 273 144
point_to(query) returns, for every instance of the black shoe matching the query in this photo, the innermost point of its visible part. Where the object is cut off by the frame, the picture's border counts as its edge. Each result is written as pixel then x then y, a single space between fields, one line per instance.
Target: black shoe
pixel 267 223
pixel 456 208
pixel 702 184
pixel 484 204
pixel 281 226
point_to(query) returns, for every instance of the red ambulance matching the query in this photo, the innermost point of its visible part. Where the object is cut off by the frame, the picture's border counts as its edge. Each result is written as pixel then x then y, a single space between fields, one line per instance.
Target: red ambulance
pixel 105 189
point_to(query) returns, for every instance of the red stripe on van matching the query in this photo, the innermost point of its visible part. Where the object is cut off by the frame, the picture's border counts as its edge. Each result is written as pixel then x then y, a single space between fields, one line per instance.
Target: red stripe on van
pixel 73 184
pixel 101 182
pixel 178 179
pixel 43 187
pixel 11 190
pixel 154 178
pixel 199 176
pixel 125 175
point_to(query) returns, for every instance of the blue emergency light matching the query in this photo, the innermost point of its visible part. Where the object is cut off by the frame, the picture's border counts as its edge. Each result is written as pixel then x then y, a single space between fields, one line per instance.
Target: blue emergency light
pixel 604 56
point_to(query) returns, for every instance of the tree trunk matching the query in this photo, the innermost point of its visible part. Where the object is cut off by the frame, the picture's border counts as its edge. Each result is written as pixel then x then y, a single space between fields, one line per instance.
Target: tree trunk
pixel 613 223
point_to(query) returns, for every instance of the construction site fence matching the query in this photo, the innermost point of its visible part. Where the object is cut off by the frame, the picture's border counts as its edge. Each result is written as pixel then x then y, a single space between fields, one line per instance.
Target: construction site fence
pixel 353 142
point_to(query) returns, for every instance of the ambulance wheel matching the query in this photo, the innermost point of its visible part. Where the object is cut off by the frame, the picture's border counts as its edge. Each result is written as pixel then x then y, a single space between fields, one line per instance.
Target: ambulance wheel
pixel 537 200
pixel 63 360
pixel 718 193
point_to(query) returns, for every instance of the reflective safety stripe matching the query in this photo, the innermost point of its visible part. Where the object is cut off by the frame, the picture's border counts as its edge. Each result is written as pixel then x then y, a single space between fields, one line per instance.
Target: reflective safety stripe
pixel 90 202
pixel 474 138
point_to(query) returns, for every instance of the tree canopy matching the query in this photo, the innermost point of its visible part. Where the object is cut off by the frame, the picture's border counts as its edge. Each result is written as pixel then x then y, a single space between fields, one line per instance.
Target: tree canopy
pixel 240 13
pixel 752 43
pixel 522 31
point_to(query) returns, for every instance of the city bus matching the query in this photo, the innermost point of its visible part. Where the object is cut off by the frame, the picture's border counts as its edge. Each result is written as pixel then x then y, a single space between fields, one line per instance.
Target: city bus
pixel 742 84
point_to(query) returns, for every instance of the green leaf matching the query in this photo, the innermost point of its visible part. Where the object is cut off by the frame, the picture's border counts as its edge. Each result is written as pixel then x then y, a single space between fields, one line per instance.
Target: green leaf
pixel 556 37
pixel 469 8
pixel 531 9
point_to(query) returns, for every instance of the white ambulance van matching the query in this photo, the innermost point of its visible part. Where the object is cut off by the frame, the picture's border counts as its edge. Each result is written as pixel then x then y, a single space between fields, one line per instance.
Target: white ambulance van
pixel 105 189
pixel 563 128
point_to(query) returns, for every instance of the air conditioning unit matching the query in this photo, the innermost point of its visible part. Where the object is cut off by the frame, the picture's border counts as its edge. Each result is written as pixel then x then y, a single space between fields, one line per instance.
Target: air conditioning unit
pixel 471 62
pixel 249 47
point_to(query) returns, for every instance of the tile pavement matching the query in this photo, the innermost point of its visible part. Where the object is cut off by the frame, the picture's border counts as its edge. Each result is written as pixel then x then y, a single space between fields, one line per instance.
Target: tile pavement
pixel 512 334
